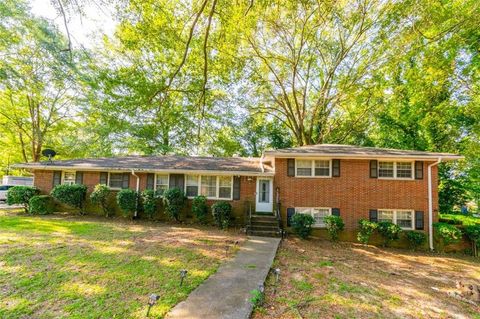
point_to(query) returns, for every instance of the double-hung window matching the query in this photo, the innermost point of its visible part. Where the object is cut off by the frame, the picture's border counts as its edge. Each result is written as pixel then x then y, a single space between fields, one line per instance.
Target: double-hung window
pixel 116 180
pixel 313 168
pixel 214 187
pixel 208 186
pixel 191 188
pixel 161 184
pixel 225 187
pixel 318 213
pixel 400 217
pixel 402 170
pixel 69 178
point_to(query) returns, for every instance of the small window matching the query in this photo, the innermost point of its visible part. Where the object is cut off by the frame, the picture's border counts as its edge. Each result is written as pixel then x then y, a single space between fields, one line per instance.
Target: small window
pixel 116 180
pixel 322 168
pixel 304 168
pixel 317 213
pixel 385 216
pixel 225 187
pixel 404 169
pixel 402 218
pixel 191 185
pixel 208 186
pixel 68 178
pixel 386 169
pixel 162 183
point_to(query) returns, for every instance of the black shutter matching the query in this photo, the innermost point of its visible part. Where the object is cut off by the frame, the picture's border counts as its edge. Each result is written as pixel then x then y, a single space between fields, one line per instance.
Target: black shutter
pixel 291 167
pixel 236 187
pixel 418 169
pixel 336 211
pixel 150 181
pixel 419 224
pixel 103 178
pixel 176 180
pixel 373 169
pixel 79 178
pixel 126 180
pixel 290 213
pixel 336 168
pixel 57 178
pixel 373 215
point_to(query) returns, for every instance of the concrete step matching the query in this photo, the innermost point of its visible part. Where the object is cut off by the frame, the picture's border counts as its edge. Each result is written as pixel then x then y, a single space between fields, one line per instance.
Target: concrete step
pixel 265 233
pixel 256 227
pixel 264 218
pixel 265 223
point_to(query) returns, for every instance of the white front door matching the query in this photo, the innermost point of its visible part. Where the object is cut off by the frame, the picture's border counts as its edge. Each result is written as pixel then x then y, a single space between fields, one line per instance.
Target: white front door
pixel 264 195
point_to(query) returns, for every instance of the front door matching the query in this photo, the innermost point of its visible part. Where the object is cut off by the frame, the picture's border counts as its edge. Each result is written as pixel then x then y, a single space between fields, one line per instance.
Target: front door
pixel 264 195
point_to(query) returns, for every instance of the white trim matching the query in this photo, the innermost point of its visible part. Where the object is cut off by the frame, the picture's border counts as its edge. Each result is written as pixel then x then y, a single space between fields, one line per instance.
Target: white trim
pixel 311 213
pixel 395 211
pixel 412 169
pixel 266 207
pixel 217 186
pixel 108 181
pixel 155 180
pixel 313 159
pixel 62 179
pixel 373 156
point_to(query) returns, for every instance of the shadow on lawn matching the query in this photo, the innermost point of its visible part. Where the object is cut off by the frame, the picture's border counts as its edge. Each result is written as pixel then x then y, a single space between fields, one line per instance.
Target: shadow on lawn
pixel 56 268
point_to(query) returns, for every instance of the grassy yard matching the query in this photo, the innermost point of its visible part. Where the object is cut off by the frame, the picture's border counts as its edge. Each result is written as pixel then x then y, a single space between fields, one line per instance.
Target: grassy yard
pixel 70 267
pixel 320 279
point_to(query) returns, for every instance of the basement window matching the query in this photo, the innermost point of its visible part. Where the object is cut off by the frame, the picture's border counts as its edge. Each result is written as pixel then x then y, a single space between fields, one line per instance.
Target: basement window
pixel 318 213
pixel 400 217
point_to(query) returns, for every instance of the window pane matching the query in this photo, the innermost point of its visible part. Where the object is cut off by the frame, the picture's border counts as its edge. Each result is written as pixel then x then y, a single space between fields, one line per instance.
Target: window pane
pixel 69 178
pixel 304 168
pixel 116 180
pixel 192 185
pixel 404 219
pixel 385 169
pixel 404 170
pixel 225 187
pixel 385 216
pixel 209 186
pixel 322 168
pixel 319 215
pixel 162 183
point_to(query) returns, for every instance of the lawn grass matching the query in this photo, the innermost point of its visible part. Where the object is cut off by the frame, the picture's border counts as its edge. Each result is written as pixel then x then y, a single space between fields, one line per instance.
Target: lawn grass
pixel 70 267
pixel 465 220
pixel 320 279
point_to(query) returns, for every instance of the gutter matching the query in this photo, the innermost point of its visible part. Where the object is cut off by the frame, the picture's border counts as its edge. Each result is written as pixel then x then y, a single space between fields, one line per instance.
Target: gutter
pixel 138 190
pixel 430 203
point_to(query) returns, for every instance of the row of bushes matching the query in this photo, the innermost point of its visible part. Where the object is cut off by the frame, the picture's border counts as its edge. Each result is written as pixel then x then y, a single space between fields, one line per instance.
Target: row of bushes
pixel 445 234
pixel 128 201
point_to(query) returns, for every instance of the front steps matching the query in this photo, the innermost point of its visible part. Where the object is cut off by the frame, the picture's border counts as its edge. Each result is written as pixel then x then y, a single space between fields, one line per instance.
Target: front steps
pixel 264 225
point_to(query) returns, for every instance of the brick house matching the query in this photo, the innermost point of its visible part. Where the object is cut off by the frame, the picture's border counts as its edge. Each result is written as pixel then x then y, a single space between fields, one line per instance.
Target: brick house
pixel 350 181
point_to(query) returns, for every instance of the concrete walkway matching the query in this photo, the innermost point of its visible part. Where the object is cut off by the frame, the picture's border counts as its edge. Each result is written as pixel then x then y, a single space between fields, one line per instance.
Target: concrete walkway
pixel 226 294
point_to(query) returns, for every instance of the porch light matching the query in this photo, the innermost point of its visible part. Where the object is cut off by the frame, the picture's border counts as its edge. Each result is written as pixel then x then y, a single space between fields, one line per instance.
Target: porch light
pixel 152 301
pixel 183 274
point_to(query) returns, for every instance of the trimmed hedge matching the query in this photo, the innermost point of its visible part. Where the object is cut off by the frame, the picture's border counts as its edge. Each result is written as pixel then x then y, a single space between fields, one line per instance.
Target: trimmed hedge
pixel 150 200
pixel 200 208
pixel 127 200
pixel 447 234
pixel 334 226
pixel 174 200
pixel 302 225
pixel 222 214
pixel 101 196
pixel 41 205
pixel 389 231
pixel 71 195
pixel 21 195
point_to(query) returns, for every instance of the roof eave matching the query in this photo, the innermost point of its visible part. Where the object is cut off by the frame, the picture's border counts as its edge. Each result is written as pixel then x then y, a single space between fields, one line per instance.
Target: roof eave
pixel 450 157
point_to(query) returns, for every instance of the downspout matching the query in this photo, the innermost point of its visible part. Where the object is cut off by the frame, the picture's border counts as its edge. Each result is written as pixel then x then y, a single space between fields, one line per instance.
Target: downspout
pixel 430 203
pixel 138 189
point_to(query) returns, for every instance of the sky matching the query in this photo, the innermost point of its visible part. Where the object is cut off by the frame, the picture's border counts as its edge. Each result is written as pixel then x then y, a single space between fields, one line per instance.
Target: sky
pixel 85 30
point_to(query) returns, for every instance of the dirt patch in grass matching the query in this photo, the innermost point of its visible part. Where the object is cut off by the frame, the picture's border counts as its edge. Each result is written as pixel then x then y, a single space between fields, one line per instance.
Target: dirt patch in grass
pixel 320 279
pixel 87 267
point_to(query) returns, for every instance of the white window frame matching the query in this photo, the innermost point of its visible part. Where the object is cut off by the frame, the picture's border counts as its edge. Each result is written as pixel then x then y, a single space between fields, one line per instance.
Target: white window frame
pixel 155 180
pixel 74 178
pixel 217 186
pixel 395 211
pixel 297 211
pixel 108 181
pixel 312 163
pixel 412 166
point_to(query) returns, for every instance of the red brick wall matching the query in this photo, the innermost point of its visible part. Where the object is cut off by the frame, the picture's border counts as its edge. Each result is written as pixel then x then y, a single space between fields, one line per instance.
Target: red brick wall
pixel 354 192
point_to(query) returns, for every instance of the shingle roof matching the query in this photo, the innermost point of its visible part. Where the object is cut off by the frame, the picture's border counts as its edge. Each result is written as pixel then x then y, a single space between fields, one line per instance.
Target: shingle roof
pixel 339 150
pixel 156 163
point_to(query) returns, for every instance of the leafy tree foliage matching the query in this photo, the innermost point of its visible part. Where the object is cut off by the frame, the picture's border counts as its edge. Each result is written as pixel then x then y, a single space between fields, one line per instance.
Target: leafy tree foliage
pixel 21 195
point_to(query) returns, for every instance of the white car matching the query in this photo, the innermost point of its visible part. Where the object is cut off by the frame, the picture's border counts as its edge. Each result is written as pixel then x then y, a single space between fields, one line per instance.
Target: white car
pixel 3 192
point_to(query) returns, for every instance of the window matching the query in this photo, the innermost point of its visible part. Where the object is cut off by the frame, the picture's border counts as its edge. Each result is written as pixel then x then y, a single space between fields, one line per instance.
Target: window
pixel 316 212
pixel 395 170
pixel 208 186
pixel 68 178
pixel 403 218
pixel 224 187
pixel 116 180
pixel 313 168
pixel 192 185
pixel 161 184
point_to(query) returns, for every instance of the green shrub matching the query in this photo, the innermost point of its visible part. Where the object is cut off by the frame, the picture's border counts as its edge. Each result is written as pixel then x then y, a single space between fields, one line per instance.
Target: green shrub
pixel 71 195
pixel 101 196
pixel 222 214
pixel 415 238
pixel 389 231
pixel 41 205
pixel 365 230
pixel 200 208
pixel 446 234
pixel 473 233
pixel 127 200
pixel 150 200
pixel 20 195
pixel 302 225
pixel 174 200
pixel 334 226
